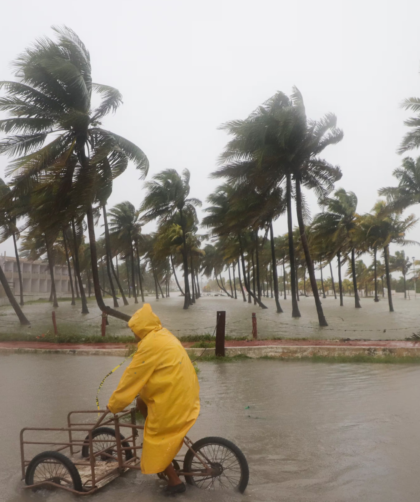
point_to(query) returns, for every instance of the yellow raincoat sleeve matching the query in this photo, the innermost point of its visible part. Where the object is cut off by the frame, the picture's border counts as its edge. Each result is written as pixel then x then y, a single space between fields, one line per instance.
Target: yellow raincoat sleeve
pixel 134 378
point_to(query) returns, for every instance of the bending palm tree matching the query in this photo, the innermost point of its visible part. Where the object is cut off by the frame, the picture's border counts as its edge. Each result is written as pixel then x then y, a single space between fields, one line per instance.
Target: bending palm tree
pixel 9 227
pixel 51 102
pixel 167 196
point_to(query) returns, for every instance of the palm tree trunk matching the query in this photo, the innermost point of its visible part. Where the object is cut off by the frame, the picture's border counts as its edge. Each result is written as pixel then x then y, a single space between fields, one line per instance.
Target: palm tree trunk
pixel 221 285
pixel 297 281
pixel 108 256
pixel 376 274
pixel 240 282
pixel 405 288
pixel 21 316
pixel 284 280
pixel 156 284
pixel 89 282
pixel 388 279
pixel 274 267
pixel 353 271
pixel 95 274
pixel 340 282
pixel 110 264
pixel 249 279
pixel 332 281
pixel 230 282
pixel 73 301
pixel 133 275
pixel 250 293
pixel 139 270
pixel 322 281
pixel 185 262
pixel 295 308
pixel 76 264
pixel 383 290
pixel 76 286
pixel 234 281
pixel 160 288
pixel 271 283
pixel 197 282
pixel 176 278
pixel 257 255
pixel 127 271
pixel 116 275
pixel 321 318
pixel 18 267
pixel 51 267
pixel 192 281
pixel 253 279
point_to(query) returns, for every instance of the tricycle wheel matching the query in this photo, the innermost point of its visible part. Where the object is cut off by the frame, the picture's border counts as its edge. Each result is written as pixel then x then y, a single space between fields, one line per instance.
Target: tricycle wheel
pixel 229 466
pixel 108 443
pixel 53 467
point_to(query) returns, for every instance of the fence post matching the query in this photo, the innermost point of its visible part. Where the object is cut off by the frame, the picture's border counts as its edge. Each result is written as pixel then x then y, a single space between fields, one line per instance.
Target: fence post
pixel 103 325
pixel 54 322
pixel 220 333
pixel 254 327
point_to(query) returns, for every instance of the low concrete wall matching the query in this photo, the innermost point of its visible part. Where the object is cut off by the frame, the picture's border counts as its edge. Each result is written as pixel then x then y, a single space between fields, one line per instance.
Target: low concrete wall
pixel 275 351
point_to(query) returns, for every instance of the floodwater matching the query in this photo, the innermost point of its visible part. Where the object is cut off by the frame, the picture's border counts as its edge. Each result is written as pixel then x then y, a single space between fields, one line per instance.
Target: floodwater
pixel 373 321
pixel 311 431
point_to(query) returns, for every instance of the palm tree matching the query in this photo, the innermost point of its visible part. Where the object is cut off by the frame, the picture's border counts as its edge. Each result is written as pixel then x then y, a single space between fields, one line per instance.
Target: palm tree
pixel 278 145
pixel 3 281
pixel 338 225
pixel 407 193
pixel 166 197
pixel 52 121
pixel 125 228
pixel 9 229
pixel 401 263
pixel 390 228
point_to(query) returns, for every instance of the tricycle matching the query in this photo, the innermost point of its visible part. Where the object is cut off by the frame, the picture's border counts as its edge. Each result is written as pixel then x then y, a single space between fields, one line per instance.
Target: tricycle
pixel 91 455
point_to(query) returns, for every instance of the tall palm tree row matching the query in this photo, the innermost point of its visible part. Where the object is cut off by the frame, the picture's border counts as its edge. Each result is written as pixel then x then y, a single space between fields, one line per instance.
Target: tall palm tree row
pixel 63 164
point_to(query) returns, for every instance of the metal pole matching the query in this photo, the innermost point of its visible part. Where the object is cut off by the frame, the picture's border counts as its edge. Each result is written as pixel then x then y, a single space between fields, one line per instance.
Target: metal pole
pixel 254 327
pixel 54 321
pixel 220 334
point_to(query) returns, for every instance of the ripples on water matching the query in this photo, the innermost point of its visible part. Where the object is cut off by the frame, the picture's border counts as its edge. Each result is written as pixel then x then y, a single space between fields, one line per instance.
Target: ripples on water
pixel 310 431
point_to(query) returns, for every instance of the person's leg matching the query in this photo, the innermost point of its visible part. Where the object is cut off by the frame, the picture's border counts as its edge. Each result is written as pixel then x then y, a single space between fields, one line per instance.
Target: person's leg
pixel 172 476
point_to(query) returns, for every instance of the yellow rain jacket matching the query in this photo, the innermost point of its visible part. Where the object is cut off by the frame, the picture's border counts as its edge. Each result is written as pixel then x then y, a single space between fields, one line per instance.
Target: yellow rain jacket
pixel 162 373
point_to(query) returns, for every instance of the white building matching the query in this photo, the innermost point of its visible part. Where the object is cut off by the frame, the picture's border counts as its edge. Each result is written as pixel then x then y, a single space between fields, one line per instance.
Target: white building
pixel 36 278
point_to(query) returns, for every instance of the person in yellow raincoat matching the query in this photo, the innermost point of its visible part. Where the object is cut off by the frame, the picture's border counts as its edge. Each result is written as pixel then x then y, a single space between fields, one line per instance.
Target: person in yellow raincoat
pixel 162 375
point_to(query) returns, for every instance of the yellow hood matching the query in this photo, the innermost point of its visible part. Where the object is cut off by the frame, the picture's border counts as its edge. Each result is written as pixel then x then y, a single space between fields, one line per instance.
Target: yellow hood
pixel 144 321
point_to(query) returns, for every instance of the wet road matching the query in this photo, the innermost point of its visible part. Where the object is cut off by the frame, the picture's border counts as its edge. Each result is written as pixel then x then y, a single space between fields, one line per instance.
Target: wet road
pixel 372 321
pixel 312 432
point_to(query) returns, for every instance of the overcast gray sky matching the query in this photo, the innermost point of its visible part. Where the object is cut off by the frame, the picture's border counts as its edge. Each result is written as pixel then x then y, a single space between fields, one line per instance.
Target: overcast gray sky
pixel 184 67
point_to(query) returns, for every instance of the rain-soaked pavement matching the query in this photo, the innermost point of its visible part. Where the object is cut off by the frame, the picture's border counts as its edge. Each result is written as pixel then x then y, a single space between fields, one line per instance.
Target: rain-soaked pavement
pixel 311 431
pixel 373 321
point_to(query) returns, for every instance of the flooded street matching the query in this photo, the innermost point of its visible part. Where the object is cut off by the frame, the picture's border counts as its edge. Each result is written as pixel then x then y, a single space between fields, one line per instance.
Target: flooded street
pixel 310 431
pixel 373 321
